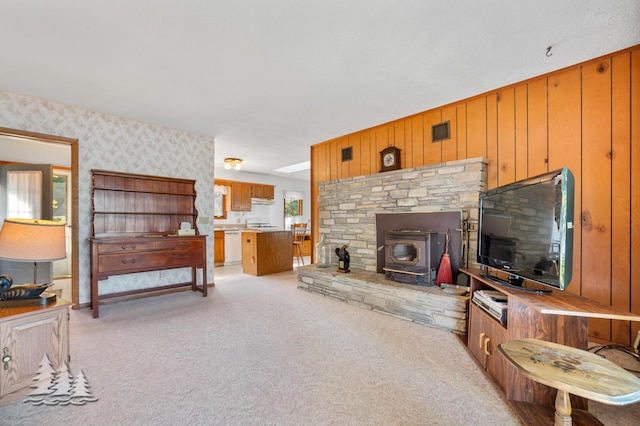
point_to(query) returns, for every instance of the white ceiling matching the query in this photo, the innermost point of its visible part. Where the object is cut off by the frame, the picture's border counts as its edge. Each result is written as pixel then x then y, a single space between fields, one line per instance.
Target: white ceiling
pixel 268 79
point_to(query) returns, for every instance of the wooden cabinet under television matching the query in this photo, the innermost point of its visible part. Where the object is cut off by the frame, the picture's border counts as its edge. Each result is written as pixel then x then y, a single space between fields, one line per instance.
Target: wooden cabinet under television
pixel 135 222
pixel 485 334
pixel 558 317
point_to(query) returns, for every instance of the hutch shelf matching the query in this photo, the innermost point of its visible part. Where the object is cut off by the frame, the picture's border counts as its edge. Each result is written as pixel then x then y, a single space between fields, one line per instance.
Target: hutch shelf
pixel 135 220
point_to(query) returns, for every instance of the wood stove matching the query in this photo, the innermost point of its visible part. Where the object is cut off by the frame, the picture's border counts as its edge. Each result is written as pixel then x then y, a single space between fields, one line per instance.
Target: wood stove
pixel 411 256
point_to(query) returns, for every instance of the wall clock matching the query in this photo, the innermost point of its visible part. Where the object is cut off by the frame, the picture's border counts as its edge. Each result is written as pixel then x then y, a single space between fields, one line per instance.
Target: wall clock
pixel 389 159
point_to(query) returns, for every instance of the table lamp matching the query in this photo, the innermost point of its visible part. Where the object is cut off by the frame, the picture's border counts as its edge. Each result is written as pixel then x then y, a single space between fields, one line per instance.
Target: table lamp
pixel 32 240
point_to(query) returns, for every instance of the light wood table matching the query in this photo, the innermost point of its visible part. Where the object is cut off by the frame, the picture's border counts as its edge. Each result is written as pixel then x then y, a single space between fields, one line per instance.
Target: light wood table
pixel 572 371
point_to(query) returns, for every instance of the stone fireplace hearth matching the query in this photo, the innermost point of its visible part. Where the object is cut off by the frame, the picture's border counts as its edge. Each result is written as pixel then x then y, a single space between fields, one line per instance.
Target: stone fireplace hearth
pixel 370 290
pixel 348 210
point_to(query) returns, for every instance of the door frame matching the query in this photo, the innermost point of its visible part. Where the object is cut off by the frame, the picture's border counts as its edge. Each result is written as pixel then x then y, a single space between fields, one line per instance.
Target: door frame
pixel 73 143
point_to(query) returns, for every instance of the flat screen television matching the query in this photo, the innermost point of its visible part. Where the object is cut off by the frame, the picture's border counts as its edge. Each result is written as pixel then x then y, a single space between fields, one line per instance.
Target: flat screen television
pixel 526 229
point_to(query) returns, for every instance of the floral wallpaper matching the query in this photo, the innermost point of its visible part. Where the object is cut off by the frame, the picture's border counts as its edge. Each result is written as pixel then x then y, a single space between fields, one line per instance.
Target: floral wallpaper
pixel 116 143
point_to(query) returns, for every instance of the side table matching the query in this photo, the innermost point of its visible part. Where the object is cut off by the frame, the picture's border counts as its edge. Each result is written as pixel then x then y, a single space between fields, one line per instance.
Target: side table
pixel 572 371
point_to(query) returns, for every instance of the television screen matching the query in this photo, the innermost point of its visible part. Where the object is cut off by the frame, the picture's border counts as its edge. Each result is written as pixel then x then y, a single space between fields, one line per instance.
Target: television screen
pixel 526 229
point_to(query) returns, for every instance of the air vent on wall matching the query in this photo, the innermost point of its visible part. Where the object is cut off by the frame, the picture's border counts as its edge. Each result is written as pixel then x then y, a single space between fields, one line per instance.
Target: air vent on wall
pixel 440 132
pixel 347 154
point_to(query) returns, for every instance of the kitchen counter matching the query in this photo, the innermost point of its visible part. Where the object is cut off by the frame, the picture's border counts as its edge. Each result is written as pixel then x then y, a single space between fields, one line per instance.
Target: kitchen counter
pixel 244 228
pixel 266 251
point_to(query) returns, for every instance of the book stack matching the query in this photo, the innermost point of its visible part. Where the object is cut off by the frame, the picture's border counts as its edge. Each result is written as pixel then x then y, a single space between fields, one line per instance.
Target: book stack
pixel 493 302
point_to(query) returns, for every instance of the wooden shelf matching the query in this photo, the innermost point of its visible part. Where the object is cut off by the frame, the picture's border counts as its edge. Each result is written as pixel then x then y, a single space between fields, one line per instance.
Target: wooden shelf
pixel 135 219
pixel 147 213
pixel 140 191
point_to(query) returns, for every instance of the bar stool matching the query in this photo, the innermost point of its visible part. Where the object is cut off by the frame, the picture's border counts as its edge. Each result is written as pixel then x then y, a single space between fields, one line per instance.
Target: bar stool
pixel 299 233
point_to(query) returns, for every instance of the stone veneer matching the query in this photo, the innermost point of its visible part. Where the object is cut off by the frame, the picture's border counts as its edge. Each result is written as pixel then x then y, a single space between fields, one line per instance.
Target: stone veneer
pixel 348 207
pixel 347 211
pixel 422 304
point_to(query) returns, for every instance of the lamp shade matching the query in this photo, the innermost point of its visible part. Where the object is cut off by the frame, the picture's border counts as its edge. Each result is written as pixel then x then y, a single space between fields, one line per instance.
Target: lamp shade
pixel 32 240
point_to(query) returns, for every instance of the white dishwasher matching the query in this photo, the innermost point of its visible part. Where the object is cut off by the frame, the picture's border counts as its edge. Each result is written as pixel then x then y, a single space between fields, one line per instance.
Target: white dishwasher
pixel 232 247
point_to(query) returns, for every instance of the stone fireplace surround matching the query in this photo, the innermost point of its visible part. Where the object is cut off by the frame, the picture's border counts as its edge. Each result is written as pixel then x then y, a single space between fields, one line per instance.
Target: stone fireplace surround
pixel 348 207
pixel 347 213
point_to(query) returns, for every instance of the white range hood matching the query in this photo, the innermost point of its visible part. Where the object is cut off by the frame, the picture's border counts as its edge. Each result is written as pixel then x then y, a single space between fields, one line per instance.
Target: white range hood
pixel 262 201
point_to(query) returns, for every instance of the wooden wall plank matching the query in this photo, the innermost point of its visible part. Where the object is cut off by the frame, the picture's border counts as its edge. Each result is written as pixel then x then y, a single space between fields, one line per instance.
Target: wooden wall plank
pixel 477 128
pixel 492 140
pixel 314 213
pixel 537 125
pixel 322 163
pixel 407 153
pixel 521 129
pixel 417 143
pixel 355 168
pixel 432 150
pixel 596 188
pixel 564 131
pixel 333 159
pixel 621 197
pixel 398 140
pixel 449 147
pixel 635 188
pixel 506 143
pixel 365 153
pixel 461 130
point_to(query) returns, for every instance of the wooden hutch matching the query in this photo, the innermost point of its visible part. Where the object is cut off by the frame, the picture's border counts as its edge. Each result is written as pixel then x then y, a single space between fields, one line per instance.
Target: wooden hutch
pixel 135 221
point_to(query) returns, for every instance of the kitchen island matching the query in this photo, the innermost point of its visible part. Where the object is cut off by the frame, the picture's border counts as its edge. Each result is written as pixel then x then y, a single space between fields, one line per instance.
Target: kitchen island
pixel 266 251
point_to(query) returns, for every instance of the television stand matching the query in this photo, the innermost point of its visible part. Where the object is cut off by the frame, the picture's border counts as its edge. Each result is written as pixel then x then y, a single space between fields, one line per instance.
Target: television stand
pixel 560 317
pixel 506 283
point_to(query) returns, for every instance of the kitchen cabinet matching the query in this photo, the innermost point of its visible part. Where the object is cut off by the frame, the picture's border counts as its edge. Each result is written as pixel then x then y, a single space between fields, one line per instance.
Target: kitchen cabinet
pixel 262 191
pixel 218 248
pixel 266 252
pixel 27 334
pixel 240 196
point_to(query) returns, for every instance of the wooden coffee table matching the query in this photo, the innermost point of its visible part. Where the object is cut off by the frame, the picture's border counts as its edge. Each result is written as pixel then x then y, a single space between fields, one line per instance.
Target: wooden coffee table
pixel 572 371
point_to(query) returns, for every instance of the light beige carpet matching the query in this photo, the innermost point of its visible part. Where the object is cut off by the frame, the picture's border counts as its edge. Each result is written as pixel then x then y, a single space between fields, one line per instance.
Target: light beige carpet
pixel 258 351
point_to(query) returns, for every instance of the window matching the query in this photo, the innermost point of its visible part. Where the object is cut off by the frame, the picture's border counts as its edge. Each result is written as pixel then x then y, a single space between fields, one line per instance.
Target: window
pixel 24 189
pixel 219 202
pixel 292 208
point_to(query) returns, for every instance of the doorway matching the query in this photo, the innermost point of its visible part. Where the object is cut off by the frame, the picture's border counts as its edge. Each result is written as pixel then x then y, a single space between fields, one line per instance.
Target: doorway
pixel 22 143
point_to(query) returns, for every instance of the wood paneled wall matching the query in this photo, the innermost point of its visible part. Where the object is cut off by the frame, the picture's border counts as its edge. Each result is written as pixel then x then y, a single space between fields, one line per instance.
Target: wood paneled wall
pixel 586 117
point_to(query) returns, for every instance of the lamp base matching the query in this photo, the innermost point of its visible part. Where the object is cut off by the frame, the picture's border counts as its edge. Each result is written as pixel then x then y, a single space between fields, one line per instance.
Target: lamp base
pixel 43 299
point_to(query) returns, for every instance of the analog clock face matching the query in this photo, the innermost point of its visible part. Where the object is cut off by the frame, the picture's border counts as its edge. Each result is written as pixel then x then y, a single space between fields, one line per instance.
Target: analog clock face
pixel 388 159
